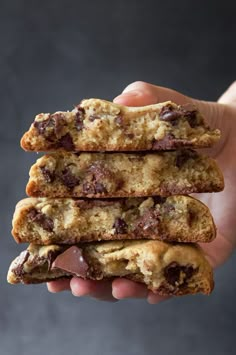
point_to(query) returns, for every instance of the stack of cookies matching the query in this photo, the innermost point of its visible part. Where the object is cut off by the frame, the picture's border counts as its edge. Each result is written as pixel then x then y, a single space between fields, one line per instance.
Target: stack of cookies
pixel 110 198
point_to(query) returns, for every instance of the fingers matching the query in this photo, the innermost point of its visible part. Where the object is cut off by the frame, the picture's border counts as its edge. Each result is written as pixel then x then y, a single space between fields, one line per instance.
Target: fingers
pixel 154 298
pixel 140 94
pixel 58 286
pixel 101 290
pixel 229 96
pixel 123 288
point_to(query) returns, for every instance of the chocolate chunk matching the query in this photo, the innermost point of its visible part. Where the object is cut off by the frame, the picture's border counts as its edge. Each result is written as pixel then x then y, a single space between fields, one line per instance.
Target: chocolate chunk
pixel 167 142
pixel 100 188
pixel 192 119
pixel 183 156
pixel 93 187
pixel 120 226
pixel 119 120
pixel 79 120
pixel 130 135
pixel 172 273
pixel 169 114
pixel 41 219
pixel 159 200
pixel 191 217
pixel 94 117
pixel 59 122
pixel 48 175
pixel 148 223
pixel 19 269
pixel 66 142
pixel 41 126
pixel 72 261
pixel 68 179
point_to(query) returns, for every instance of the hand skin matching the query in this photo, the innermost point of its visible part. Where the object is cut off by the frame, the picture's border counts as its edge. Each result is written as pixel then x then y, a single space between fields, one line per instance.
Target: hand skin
pixel 222 115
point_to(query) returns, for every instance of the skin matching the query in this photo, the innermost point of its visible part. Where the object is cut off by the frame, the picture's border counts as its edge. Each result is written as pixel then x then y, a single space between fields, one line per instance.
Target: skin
pixel 220 114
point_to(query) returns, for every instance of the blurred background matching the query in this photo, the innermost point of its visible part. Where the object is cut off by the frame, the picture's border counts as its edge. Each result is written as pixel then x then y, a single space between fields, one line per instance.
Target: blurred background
pixel 53 54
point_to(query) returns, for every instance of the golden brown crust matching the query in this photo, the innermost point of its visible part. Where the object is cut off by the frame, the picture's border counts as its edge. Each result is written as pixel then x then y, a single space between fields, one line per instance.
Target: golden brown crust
pixel 167 269
pixel 98 125
pixel 103 175
pixel 66 221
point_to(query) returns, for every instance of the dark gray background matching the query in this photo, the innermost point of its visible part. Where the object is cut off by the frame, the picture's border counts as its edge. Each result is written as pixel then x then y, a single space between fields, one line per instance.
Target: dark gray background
pixel 54 53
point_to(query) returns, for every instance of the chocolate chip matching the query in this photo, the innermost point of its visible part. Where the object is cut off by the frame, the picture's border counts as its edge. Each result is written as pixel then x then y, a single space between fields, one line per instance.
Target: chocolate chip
pixel 94 117
pixel 48 175
pixel 100 188
pixel 72 261
pixel 66 142
pixel 68 179
pixel 164 143
pixel 79 119
pixel 173 270
pixel 169 114
pixel 41 126
pixel 59 122
pixel 148 223
pixel 191 217
pixel 119 120
pixel 183 156
pixel 130 135
pixel 159 200
pixel 93 187
pixel 41 219
pixel 192 118
pixel 18 270
pixel 120 226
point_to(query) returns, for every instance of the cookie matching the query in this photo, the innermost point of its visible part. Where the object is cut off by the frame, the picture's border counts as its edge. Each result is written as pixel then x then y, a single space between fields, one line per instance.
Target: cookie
pixel 65 174
pixel 66 221
pixel 167 269
pixel 97 125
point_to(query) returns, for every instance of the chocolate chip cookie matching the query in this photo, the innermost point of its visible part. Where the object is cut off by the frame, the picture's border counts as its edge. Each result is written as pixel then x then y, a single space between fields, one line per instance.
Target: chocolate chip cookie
pixel 98 125
pixel 65 174
pixel 167 269
pixel 66 221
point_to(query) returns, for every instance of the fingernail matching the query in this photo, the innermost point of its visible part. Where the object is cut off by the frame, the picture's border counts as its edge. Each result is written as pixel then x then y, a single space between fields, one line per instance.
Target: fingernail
pixel 126 95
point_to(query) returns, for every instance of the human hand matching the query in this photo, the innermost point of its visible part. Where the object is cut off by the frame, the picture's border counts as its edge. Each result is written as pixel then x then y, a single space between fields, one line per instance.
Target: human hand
pixel 222 115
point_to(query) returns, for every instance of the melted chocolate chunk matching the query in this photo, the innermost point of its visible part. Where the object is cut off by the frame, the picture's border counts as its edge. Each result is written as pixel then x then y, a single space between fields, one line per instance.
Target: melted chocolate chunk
pixel 149 223
pixel 48 175
pixel 191 217
pixel 41 219
pixel 79 120
pixel 184 156
pixel 191 116
pixel 93 188
pixel 66 142
pixel 159 200
pixel 59 122
pixel 169 114
pixel 72 261
pixel 120 226
pixel 19 269
pixel 68 179
pixel 167 142
pixel 41 126
pixel 172 273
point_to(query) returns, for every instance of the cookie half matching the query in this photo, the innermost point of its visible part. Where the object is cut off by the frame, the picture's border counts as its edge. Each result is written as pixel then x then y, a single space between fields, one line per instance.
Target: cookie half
pixel 167 269
pixel 98 125
pixel 65 174
pixel 66 221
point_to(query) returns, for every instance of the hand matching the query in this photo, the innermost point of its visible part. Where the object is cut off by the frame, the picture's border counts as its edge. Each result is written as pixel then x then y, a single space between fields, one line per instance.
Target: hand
pixel 220 115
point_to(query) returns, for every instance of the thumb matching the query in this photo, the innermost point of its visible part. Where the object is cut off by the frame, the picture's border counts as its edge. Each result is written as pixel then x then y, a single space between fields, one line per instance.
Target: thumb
pixel 140 94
